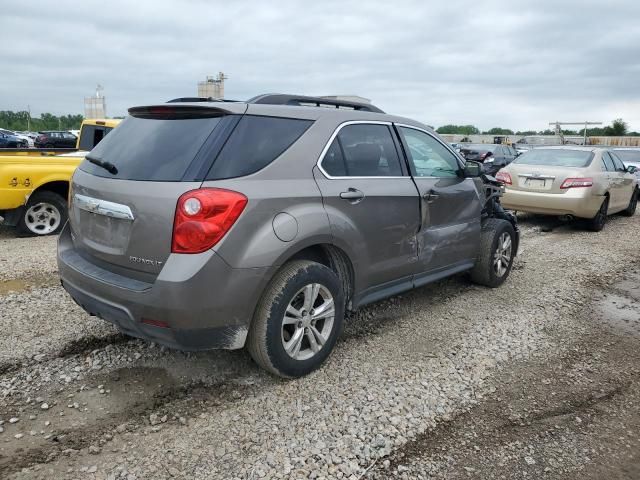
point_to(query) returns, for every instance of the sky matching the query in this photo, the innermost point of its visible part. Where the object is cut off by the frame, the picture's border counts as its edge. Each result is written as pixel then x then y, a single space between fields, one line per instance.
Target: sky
pixel 515 64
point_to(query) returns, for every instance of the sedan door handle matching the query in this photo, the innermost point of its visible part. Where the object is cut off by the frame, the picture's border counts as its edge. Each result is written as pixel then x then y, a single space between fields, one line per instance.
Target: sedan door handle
pixel 353 195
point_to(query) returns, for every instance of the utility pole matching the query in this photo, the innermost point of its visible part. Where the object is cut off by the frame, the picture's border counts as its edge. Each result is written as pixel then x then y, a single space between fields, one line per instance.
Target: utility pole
pixel 28 118
pixel 559 128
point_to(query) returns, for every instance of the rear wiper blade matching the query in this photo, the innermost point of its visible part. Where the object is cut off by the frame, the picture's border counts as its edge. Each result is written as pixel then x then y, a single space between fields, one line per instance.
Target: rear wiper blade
pixel 108 166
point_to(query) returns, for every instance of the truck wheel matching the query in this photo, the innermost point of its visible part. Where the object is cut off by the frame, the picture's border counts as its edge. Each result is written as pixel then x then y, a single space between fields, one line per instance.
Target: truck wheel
pixel 44 214
pixel 633 203
pixel 497 250
pixel 298 319
pixel 597 223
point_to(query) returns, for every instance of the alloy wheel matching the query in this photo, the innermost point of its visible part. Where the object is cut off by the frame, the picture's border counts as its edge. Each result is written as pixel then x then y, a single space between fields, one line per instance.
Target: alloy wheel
pixel 308 321
pixel 502 255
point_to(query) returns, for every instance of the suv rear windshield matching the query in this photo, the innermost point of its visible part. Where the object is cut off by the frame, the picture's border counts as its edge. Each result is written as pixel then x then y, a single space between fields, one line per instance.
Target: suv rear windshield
pixel 153 149
pixel 555 158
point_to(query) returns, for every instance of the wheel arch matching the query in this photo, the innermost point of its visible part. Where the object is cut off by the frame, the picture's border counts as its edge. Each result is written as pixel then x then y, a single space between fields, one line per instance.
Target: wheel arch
pixel 327 254
pixel 61 187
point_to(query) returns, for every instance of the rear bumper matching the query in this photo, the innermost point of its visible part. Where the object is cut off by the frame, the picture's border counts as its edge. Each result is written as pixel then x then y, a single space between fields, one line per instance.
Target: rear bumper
pixel 200 301
pixel 579 202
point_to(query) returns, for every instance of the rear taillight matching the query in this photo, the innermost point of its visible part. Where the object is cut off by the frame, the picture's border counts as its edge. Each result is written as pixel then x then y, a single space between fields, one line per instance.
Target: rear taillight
pixel 577 183
pixel 203 217
pixel 504 177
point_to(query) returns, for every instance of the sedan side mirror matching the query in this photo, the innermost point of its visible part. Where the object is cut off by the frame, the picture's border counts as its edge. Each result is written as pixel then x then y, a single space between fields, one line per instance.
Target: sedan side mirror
pixel 472 169
pixel 632 169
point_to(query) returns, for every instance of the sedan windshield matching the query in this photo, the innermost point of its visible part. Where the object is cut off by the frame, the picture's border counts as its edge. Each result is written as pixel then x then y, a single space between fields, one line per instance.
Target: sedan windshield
pixel 628 155
pixel 556 158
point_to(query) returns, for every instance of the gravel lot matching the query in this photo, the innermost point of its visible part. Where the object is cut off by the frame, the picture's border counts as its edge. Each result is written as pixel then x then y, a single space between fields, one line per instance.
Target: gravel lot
pixel 537 379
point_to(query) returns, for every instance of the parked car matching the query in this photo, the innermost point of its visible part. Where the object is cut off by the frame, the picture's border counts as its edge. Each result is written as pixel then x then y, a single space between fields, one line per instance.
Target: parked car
pixel 56 139
pixel 34 188
pixel 570 181
pixel 630 156
pixel 10 140
pixel 492 156
pixel 26 141
pixel 258 223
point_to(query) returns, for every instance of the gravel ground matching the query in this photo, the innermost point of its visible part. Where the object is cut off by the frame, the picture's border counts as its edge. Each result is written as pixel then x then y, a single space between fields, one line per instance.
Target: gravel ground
pixel 448 381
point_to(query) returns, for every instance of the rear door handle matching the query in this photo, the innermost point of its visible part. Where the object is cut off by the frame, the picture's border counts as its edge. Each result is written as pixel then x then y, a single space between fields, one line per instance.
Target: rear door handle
pixel 353 195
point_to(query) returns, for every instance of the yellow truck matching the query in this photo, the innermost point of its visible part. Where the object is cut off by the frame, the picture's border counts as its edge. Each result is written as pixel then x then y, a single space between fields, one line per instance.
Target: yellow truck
pixel 34 187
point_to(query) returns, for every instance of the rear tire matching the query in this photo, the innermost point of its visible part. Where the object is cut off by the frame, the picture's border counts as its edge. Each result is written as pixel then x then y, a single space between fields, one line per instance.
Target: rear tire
pixel 45 214
pixel 497 251
pixel 633 203
pixel 597 223
pixel 298 319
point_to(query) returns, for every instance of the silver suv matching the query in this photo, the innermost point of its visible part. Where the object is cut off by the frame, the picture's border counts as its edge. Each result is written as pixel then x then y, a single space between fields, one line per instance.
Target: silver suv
pixel 203 224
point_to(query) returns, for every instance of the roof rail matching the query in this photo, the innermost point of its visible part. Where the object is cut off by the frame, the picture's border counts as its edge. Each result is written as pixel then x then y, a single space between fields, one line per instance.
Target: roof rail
pixel 302 100
pixel 198 99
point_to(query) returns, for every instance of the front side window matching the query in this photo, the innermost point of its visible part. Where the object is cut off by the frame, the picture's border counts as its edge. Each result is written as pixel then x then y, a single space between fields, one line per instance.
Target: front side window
pixel 428 156
pixel 363 150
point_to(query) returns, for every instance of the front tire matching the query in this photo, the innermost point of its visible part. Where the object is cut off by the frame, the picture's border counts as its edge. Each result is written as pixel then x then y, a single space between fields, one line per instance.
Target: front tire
pixel 298 319
pixel 45 214
pixel 633 203
pixel 497 250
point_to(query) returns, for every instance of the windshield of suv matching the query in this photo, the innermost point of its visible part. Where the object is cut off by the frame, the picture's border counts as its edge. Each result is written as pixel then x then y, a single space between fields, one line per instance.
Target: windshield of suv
pixel 478 147
pixel 155 149
pixel 555 158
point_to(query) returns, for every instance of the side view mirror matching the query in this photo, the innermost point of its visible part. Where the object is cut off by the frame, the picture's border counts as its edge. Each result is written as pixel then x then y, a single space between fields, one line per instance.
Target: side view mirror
pixel 472 169
pixel 632 169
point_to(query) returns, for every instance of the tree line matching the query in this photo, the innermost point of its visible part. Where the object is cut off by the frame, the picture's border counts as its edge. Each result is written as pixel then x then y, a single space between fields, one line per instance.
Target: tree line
pixel 618 128
pixel 22 121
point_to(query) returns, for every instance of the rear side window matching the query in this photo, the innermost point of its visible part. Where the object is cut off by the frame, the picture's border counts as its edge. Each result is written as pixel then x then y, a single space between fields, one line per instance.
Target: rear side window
pixel 153 149
pixel 91 135
pixel 255 143
pixel 362 150
pixel 608 163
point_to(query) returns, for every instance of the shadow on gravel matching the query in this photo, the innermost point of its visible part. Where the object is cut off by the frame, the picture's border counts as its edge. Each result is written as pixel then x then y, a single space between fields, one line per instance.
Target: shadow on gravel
pixel 380 317
pixel 88 344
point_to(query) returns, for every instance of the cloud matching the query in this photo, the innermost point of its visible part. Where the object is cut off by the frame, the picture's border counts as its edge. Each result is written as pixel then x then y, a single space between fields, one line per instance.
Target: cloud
pixel 513 64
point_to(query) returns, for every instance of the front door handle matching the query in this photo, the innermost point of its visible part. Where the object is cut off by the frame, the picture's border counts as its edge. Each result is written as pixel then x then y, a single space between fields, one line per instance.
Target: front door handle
pixel 353 195
pixel 430 196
